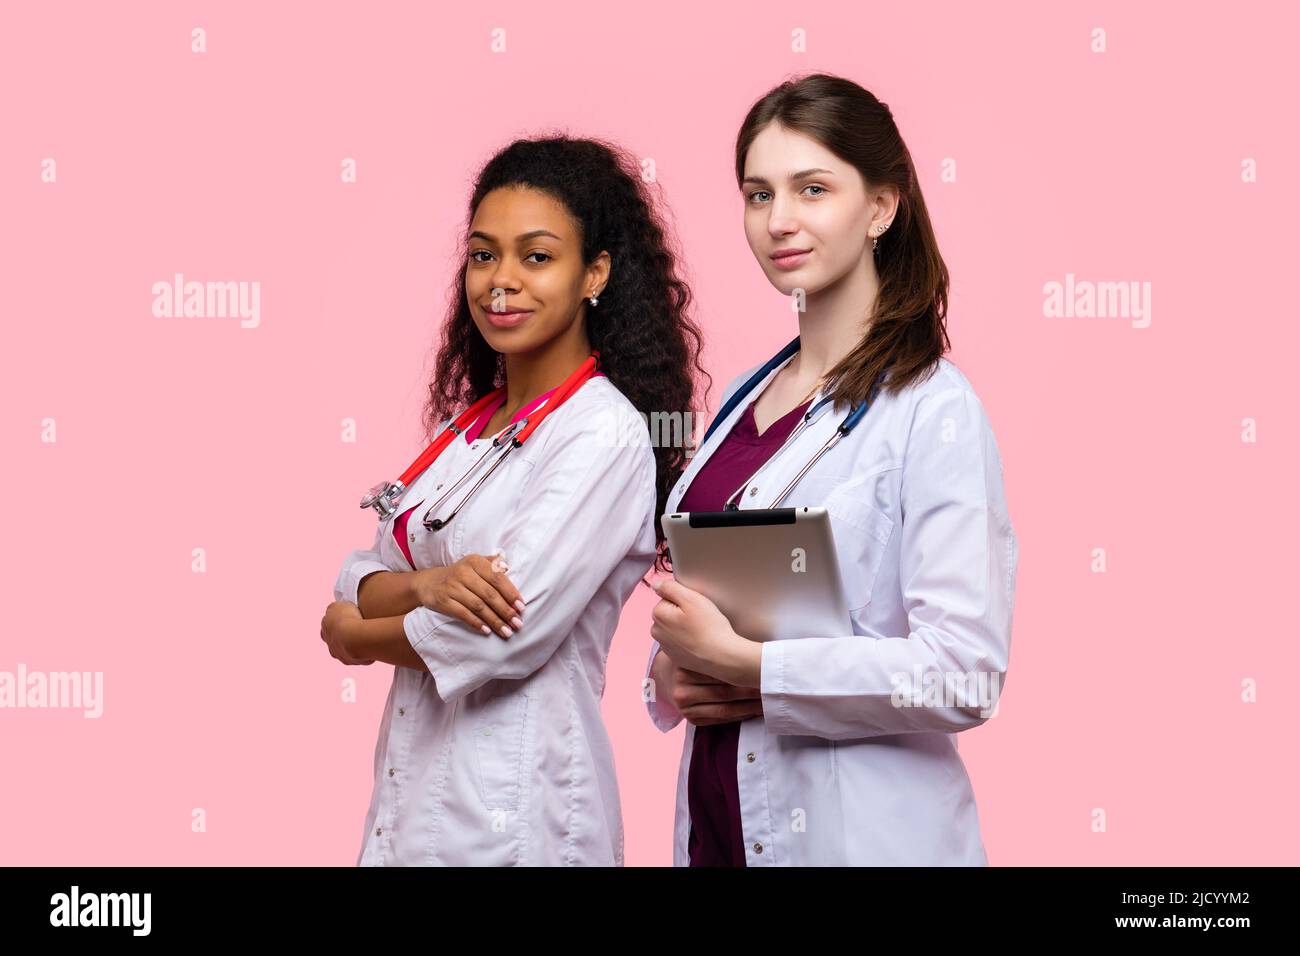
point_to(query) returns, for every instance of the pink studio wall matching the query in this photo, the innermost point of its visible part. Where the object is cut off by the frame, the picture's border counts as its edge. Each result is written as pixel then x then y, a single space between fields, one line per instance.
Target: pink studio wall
pixel 1166 159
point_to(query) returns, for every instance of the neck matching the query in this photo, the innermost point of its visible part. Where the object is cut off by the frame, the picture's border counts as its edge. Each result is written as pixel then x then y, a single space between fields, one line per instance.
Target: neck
pixel 530 374
pixel 833 322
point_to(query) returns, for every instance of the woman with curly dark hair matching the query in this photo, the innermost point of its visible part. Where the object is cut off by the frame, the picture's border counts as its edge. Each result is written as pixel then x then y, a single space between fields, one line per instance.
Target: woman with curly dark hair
pixel 497 604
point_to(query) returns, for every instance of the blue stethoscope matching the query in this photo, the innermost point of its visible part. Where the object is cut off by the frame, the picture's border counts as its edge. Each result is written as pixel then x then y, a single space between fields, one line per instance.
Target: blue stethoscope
pixel 850 421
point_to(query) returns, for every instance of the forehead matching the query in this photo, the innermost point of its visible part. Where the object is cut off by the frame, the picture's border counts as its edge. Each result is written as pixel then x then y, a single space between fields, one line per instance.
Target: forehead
pixel 778 151
pixel 512 211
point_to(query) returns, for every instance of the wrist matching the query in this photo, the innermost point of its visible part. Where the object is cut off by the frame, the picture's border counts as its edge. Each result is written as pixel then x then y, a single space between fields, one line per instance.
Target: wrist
pixel 661 670
pixel 419 584
pixel 742 661
pixel 354 637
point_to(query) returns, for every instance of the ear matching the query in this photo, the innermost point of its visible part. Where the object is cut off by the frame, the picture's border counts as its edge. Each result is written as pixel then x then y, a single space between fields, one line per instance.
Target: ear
pixel 597 275
pixel 886 203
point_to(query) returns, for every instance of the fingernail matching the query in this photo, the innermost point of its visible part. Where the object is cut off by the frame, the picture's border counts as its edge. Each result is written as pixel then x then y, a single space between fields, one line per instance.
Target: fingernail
pixel 516 622
pixel 486 629
pixel 506 632
pixel 520 604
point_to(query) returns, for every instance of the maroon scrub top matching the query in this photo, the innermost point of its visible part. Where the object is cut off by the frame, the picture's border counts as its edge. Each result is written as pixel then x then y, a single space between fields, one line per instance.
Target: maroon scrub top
pixel 712 791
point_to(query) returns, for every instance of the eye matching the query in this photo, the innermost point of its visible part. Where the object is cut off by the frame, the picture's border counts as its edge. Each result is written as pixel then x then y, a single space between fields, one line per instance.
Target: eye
pixel 815 186
pixel 477 252
pixel 545 255
pixel 758 192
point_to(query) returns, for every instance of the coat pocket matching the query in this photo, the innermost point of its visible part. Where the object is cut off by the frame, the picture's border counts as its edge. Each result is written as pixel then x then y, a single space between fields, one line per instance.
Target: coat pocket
pixel 500 725
pixel 862 534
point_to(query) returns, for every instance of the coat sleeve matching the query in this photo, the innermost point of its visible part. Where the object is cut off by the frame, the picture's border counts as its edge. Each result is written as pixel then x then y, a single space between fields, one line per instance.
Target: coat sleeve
pixel 358 565
pixel 663 714
pixel 588 503
pixel 957 574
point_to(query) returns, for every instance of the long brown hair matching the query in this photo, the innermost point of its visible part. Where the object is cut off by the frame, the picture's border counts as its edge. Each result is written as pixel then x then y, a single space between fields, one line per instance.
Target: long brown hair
pixel 907 333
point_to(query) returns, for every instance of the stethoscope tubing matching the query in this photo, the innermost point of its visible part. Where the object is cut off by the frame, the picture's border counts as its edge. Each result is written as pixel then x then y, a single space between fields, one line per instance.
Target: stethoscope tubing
pixel 386 496
pixel 506 439
pixel 851 420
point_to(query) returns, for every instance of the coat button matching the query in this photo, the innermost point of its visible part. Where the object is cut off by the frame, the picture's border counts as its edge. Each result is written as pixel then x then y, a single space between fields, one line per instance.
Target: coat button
pixel 401 712
pixel 750 757
pixel 753 491
pixel 391 771
pixel 379 831
pixel 412 537
pixel 758 848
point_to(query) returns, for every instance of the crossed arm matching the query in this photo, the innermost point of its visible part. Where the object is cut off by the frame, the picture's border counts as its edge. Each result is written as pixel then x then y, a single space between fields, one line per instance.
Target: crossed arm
pixel 587 507
pixel 376 632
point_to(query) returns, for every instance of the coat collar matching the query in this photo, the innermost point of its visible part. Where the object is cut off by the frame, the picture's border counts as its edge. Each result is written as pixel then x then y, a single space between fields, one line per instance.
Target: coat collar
pixel 780 468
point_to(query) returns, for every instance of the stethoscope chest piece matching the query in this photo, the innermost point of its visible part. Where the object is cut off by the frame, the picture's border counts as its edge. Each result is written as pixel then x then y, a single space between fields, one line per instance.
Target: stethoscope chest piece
pixel 383 497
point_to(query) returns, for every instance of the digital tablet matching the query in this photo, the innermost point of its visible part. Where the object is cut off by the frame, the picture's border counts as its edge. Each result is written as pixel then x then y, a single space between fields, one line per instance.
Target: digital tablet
pixel 771 571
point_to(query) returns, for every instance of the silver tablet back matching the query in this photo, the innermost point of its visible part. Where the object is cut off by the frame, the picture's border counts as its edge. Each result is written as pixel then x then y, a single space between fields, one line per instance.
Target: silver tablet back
pixel 772 571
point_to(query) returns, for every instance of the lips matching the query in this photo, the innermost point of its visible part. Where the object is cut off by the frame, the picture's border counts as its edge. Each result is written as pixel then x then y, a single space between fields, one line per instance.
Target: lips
pixel 790 258
pixel 509 319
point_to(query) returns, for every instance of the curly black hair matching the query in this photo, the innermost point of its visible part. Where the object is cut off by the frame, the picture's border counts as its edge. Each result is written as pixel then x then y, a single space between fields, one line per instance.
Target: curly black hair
pixel 648 341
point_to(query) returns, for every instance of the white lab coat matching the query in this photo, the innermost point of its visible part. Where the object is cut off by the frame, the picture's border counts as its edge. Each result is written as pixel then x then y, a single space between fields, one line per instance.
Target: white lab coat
pixel 833 773
pixel 497 754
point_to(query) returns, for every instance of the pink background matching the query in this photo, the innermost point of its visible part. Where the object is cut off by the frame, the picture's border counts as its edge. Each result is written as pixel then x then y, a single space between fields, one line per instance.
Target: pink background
pixel 1124 691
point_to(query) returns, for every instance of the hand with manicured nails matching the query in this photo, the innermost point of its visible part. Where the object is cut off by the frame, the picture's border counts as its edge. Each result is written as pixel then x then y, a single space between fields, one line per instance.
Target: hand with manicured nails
pixel 473 591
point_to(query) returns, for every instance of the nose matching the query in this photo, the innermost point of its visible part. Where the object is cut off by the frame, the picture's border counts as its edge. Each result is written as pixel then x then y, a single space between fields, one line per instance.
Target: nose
pixel 780 223
pixel 505 281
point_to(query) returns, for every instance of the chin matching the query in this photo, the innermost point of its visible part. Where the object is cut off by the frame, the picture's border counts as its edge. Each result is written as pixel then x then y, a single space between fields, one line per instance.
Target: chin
pixel 786 283
pixel 509 342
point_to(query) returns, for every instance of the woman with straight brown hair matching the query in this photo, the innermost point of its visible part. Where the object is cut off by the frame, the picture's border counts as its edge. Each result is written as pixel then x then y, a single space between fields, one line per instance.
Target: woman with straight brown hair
pixel 840 749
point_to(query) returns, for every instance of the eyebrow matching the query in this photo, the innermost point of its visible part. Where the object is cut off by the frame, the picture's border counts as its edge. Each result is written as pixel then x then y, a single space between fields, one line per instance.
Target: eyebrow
pixel 794 177
pixel 476 234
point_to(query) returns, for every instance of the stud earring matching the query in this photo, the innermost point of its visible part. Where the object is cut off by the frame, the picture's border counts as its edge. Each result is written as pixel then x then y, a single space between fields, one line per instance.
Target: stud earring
pixel 593 300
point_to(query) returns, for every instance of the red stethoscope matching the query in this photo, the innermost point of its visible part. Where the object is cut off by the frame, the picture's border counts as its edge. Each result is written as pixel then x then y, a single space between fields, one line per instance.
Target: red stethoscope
pixel 385 496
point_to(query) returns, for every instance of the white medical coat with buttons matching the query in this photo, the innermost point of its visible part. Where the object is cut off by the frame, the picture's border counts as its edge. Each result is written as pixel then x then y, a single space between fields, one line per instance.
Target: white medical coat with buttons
pixel 497 753
pixel 835 772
